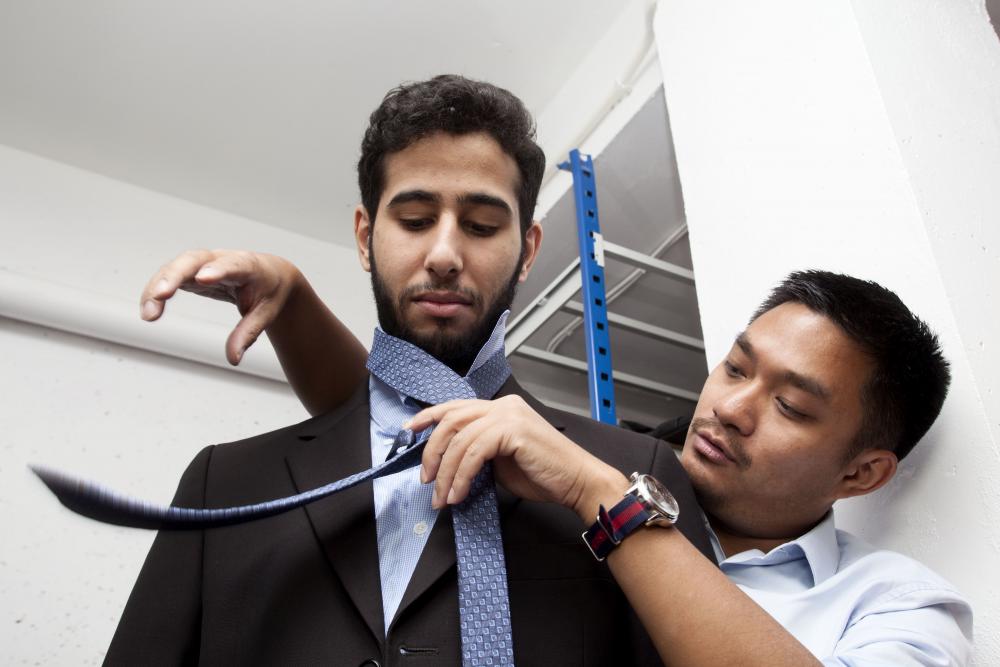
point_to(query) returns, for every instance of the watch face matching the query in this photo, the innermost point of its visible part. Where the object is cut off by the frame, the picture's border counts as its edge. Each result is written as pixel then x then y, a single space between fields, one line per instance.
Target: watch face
pixel 659 497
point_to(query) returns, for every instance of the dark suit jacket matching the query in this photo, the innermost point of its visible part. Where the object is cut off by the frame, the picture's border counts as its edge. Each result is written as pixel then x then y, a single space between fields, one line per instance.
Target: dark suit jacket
pixel 303 587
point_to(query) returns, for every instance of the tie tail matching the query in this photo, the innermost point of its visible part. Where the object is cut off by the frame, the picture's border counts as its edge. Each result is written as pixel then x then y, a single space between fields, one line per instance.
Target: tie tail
pixel 98 502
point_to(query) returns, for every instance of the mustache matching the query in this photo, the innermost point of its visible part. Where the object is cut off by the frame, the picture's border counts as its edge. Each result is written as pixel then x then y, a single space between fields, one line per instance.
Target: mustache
pixel 474 297
pixel 733 443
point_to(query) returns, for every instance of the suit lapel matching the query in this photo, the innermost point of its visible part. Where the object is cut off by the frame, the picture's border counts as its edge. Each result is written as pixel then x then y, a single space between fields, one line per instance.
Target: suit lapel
pixel 344 523
pixel 438 556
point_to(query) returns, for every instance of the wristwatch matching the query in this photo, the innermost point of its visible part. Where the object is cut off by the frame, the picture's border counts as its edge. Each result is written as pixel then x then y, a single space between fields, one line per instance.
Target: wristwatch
pixel 646 503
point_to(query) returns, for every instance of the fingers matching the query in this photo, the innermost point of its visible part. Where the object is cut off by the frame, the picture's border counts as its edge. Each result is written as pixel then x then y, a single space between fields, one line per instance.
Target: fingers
pixel 249 328
pixel 429 416
pixel 467 452
pixel 463 440
pixel 165 282
pixel 236 267
pixel 217 274
pixel 450 417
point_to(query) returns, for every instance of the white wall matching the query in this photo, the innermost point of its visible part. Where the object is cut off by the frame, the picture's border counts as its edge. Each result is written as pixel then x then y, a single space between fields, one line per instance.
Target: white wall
pixel 862 138
pixel 68 234
pixel 75 249
pixel 129 418
pixel 940 84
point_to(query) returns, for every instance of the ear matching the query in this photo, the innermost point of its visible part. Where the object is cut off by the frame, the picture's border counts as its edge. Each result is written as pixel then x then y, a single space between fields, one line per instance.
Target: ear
pixel 868 471
pixel 532 243
pixel 362 231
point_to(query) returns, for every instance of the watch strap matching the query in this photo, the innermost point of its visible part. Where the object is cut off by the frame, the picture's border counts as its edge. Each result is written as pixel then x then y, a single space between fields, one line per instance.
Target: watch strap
pixel 612 526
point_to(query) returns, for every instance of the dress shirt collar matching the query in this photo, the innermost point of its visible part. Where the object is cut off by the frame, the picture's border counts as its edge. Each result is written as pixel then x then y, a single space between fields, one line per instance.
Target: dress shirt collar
pixel 493 344
pixel 387 421
pixel 819 547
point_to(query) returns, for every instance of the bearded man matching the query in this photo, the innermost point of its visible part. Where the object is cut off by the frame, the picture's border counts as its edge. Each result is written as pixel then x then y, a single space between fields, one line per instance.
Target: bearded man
pixel 449 174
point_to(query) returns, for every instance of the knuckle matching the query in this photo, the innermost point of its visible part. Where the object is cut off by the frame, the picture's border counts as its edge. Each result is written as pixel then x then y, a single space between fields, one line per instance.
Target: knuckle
pixel 474 450
pixel 514 402
pixel 461 481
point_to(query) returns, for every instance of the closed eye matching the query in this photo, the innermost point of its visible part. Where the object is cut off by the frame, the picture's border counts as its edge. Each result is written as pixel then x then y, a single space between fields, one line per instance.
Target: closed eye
pixel 732 370
pixel 480 229
pixel 415 223
pixel 788 410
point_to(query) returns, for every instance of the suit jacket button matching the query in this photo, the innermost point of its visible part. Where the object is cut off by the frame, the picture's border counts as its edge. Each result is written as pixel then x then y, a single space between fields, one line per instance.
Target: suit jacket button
pixel 370 662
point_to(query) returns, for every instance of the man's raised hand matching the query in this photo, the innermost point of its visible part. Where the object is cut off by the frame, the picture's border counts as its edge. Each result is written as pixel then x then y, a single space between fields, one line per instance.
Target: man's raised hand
pixel 258 284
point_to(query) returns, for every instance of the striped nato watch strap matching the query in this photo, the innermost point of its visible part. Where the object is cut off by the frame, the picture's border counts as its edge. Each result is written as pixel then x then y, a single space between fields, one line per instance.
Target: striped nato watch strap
pixel 613 526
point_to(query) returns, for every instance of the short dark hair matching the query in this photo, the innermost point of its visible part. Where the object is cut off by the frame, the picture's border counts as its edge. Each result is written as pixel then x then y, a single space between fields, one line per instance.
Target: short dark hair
pixel 455 105
pixel 909 382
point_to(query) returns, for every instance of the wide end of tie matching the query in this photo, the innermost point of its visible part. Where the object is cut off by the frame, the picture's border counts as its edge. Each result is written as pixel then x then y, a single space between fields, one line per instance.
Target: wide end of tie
pixel 90 500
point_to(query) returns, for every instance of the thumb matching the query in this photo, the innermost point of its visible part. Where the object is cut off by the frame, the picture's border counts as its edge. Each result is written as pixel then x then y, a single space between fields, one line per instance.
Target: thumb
pixel 249 328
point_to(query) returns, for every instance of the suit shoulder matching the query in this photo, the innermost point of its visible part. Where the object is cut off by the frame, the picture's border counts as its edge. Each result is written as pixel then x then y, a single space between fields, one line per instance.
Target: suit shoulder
pixel 612 444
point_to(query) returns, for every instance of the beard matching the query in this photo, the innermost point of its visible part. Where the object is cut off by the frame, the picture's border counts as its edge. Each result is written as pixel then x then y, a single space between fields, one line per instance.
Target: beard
pixel 457 350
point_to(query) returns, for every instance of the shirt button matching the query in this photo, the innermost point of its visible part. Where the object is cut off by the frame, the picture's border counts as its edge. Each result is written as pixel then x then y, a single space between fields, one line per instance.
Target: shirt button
pixel 420 527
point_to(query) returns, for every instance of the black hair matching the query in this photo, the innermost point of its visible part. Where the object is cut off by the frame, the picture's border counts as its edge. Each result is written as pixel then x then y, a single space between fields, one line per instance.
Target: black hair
pixel 455 105
pixel 909 381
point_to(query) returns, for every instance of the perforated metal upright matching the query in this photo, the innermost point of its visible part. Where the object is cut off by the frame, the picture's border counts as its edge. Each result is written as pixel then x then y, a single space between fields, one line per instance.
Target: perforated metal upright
pixel 600 383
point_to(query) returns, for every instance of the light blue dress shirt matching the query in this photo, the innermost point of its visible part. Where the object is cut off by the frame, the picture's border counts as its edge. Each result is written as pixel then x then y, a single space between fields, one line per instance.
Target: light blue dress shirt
pixel 852 604
pixel 403 514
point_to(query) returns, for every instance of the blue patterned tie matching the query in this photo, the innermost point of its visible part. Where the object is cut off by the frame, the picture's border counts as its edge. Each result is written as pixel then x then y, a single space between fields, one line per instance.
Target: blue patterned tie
pixel 484 610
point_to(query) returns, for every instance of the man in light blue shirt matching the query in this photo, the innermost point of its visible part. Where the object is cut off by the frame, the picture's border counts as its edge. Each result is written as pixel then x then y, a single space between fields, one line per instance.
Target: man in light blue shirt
pixel 833 381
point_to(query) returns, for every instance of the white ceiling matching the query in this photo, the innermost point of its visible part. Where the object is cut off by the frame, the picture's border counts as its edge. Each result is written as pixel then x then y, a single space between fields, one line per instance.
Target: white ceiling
pixel 257 107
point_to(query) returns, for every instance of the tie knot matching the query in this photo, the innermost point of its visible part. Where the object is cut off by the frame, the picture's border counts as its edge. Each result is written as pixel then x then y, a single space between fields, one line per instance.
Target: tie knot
pixel 415 373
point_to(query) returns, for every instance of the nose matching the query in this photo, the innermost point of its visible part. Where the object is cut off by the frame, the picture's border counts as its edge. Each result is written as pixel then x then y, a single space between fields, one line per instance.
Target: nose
pixel 444 256
pixel 736 408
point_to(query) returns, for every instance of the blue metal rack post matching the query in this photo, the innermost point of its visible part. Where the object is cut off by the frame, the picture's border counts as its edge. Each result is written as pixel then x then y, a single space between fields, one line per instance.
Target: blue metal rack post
pixel 595 311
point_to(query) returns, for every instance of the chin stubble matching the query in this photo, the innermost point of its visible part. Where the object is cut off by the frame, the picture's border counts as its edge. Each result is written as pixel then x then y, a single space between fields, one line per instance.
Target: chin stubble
pixel 455 350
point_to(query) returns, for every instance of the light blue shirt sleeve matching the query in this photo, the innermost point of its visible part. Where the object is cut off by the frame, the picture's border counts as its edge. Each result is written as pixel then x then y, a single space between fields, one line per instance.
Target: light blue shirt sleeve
pixel 913 629
pixel 853 605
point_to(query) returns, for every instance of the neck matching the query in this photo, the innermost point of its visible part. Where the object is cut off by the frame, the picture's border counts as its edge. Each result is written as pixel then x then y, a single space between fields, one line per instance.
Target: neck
pixel 734 541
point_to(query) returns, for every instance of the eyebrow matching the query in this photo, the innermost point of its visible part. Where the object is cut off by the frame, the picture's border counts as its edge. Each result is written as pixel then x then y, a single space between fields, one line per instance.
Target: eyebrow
pixel 807 384
pixel 798 380
pixel 469 199
pixel 744 344
pixel 408 196
pixel 483 199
